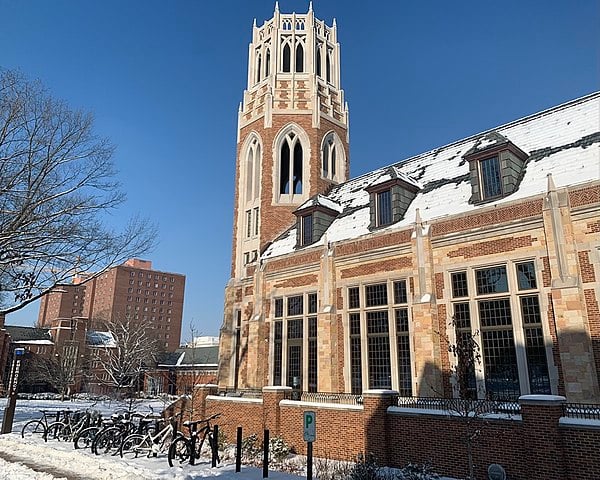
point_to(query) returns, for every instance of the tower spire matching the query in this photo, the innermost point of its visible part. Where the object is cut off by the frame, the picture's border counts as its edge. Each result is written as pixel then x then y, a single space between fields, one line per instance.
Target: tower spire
pixel 276 7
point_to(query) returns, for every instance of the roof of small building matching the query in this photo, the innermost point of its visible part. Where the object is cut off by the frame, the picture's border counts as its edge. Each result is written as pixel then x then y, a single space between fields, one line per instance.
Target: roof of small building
pixel 100 339
pixel 207 356
pixel 28 334
pixel 563 140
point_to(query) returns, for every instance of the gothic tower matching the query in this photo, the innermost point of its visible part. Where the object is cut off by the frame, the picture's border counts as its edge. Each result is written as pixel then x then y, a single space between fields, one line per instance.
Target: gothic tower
pixel 292 143
pixel 292 129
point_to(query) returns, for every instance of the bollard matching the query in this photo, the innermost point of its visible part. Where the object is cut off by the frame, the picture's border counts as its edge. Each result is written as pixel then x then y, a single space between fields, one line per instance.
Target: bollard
pixel 215 446
pixel 266 454
pixel 238 451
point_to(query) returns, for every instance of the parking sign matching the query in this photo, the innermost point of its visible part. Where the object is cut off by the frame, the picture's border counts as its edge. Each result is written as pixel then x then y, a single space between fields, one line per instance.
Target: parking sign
pixel 310 426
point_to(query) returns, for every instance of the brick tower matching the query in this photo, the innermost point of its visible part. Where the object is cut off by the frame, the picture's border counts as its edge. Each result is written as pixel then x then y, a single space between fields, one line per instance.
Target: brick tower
pixel 292 143
pixel 292 129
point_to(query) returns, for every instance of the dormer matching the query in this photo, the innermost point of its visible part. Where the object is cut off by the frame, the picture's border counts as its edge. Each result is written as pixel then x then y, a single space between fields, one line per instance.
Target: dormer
pixel 496 166
pixel 314 218
pixel 390 196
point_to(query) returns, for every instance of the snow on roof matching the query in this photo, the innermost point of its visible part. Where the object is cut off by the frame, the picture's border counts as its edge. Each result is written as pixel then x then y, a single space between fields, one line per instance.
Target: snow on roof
pixel 563 141
pixel 320 200
pixel 100 339
pixel 35 342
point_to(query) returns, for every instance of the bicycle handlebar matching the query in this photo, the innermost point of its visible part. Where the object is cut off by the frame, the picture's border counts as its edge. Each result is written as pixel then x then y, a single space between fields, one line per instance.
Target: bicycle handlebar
pixel 189 424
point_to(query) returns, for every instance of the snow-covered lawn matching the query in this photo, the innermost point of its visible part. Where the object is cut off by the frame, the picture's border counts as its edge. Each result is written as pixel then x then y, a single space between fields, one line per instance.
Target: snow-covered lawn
pixel 35 459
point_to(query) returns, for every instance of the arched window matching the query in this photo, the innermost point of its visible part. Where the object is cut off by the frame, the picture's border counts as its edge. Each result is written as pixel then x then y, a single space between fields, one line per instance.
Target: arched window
pixel 328 66
pixel 267 62
pixel 299 58
pixel 286 57
pixel 258 67
pixel 252 171
pixel 250 174
pixel 291 163
pixel 318 60
pixel 331 151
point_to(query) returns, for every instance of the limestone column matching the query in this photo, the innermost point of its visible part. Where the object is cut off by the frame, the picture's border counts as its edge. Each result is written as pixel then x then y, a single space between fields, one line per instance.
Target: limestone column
pixel 425 329
pixel 568 302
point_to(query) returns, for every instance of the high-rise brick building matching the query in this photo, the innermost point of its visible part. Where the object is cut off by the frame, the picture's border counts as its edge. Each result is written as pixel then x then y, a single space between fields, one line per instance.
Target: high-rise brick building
pixel 132 290
pixel 346 285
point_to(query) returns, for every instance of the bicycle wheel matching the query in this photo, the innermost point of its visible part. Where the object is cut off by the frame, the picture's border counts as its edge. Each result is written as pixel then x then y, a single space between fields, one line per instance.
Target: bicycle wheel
pixel 57 431
pixel 85 438
pixel 107 441
pixel 135 446
pixel 34 428
pixel 180 451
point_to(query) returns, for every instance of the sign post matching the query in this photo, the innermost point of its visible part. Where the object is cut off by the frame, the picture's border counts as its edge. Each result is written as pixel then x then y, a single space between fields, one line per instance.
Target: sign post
pixel 310 435
pixel 9 413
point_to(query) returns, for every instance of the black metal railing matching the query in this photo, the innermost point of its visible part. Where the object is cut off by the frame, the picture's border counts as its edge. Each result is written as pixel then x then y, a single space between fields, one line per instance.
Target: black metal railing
pixel 241 392
pixel 582 410
pixel 461 406
pixel 325 397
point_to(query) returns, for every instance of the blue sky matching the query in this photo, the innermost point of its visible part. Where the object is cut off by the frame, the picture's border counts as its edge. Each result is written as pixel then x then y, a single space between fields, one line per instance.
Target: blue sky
pixel 164 80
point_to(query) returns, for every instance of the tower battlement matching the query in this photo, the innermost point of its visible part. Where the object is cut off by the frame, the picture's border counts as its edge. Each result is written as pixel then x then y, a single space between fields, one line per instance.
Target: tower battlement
pixel 293 67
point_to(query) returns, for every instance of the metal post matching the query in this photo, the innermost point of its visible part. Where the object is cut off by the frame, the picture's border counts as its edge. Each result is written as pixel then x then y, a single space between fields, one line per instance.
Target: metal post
pixel 309 461
pixel 9 412
pixel 266 455
pixel 193 441
pixel 238 451
pixel 215 446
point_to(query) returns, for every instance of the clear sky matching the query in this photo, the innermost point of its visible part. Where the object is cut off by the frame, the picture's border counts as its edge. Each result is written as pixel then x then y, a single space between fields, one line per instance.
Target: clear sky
pixel 164 80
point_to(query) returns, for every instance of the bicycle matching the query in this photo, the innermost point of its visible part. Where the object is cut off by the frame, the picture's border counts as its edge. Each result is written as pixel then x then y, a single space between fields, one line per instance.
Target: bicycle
pixel 111 438
pixel 137 445
pixel 187 449
pixel 39 426
pixel 72 425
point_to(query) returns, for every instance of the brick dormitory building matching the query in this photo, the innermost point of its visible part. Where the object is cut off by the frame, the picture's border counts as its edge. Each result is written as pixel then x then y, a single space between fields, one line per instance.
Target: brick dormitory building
pixel 355 290
pixel 71 317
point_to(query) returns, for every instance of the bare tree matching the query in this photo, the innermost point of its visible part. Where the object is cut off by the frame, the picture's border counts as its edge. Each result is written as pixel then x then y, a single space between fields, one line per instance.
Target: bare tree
pixel 121 354
pixel 57 187
pixel 58 371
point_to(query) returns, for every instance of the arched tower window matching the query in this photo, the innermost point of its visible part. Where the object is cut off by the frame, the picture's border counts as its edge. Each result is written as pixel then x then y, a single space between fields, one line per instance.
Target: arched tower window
pixel 267 62
pixel 328 65
pixel 318 60
pixel 258 67
pixel 287 55
pixel 332 152
pixel 252 171
pixel 299 58
pixel 291 165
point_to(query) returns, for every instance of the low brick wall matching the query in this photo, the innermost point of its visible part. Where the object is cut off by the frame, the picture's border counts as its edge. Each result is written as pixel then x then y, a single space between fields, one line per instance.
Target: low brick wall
pixel 538 443
pixel 340 432
pixel 581 445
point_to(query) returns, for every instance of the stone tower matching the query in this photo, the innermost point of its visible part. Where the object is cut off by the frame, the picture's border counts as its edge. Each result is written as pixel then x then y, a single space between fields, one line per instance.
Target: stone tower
pixel 292 143
pixel 292 139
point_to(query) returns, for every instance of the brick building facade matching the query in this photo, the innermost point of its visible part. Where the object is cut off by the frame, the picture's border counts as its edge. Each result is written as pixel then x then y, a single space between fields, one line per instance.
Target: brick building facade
pixel 348 285
pixel 132 290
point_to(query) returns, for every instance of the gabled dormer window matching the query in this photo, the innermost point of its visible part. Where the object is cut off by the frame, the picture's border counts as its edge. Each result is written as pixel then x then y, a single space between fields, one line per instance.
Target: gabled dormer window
pixel 391 195
pixel 314 218
pixel 496 167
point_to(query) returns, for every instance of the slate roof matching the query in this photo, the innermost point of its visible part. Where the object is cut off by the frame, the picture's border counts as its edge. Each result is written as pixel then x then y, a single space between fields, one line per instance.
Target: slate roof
pixel 28 334
pixel 100 339
pixel 563 140
pixel 187 356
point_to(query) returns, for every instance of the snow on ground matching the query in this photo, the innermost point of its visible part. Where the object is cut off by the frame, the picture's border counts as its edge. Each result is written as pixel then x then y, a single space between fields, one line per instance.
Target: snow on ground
pixel 37 460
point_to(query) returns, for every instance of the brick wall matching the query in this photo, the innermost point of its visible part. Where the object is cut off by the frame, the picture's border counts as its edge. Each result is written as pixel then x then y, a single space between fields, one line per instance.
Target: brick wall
pixel 536 444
